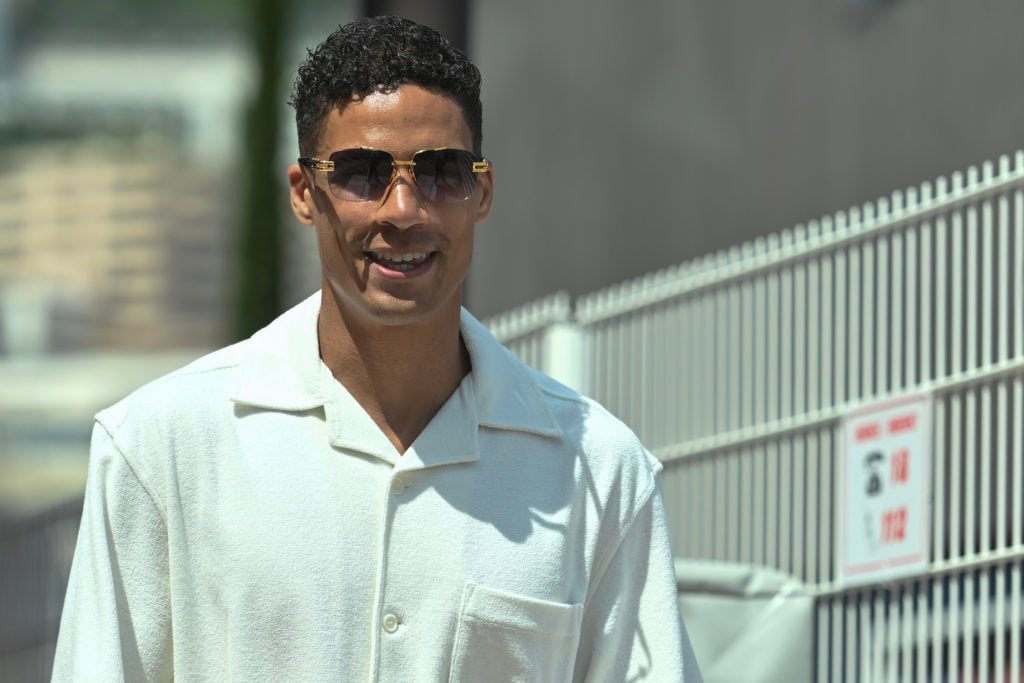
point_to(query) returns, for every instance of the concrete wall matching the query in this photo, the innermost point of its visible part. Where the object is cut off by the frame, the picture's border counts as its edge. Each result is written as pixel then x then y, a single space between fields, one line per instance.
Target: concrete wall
pixel 632 136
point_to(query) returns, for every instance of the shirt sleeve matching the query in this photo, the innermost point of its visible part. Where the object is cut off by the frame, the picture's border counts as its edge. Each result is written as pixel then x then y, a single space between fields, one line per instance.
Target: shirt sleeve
pixel 632 629
pixel 116 623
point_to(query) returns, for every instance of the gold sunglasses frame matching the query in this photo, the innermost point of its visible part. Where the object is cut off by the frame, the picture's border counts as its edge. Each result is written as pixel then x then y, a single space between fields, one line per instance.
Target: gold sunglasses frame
pixel 327 166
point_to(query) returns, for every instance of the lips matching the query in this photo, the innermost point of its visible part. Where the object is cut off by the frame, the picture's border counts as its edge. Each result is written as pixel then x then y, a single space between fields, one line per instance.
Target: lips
pixel 400 262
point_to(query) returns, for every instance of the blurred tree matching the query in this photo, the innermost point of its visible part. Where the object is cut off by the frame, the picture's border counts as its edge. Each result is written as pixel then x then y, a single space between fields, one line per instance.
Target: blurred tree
pixel 260 259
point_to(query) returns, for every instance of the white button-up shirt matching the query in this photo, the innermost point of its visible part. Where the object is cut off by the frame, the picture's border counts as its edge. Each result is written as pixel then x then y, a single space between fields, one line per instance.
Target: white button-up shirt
pixel 246 520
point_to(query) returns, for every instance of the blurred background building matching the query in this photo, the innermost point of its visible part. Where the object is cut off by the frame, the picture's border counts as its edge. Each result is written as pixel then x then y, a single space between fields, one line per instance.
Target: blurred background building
pixel 627 137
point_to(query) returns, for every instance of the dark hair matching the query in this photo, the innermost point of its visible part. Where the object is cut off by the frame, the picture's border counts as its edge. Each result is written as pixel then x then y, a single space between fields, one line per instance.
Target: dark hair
pixel 379 54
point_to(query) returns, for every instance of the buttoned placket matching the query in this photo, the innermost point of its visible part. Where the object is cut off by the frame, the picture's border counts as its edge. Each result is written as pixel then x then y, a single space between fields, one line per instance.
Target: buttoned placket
pixel 388 617
pixel 401 487
pixel 449 439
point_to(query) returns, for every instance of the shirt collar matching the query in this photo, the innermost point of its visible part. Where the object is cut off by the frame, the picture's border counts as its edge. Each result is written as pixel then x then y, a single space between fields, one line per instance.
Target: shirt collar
pixel 280 370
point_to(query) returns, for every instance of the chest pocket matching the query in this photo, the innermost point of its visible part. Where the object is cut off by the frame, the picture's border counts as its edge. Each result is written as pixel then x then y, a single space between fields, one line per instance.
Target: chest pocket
pixel 506 637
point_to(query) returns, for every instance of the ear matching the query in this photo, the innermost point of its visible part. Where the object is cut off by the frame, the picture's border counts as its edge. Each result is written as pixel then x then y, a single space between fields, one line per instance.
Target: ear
pixel 485 183
pixel 301 194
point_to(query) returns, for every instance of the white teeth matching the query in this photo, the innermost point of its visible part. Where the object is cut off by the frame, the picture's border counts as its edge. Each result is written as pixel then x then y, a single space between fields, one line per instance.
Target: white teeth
pixel 399 258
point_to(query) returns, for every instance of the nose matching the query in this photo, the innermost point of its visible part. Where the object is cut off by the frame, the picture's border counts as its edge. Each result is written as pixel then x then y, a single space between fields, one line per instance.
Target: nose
pixel 402 206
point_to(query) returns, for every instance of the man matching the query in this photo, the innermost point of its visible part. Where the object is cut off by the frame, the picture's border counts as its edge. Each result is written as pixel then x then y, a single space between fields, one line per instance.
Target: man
pixel 371 487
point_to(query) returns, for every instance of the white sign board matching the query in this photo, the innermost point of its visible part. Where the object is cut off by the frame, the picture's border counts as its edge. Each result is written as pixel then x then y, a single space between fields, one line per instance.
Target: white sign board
pixel 885 490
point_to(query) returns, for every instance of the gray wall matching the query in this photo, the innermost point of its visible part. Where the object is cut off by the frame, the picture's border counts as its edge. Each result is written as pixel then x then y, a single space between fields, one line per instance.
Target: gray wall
pixel 632 136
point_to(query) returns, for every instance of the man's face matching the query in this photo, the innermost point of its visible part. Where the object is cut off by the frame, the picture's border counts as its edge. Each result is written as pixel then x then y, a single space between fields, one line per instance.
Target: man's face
pixel 362 243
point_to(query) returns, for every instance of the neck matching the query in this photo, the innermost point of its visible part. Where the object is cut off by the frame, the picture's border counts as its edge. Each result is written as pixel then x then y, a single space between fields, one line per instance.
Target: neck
pixel 400 374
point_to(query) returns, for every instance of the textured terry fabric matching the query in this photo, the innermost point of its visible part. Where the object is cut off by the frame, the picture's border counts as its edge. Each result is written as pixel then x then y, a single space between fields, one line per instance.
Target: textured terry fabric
pixel 245 520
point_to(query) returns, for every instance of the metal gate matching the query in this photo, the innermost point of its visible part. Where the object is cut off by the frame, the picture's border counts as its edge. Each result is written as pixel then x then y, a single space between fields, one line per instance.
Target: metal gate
pixel 736 370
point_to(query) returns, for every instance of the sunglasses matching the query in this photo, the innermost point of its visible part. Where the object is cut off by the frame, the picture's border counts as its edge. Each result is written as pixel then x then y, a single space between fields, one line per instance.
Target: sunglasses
pixel 363 174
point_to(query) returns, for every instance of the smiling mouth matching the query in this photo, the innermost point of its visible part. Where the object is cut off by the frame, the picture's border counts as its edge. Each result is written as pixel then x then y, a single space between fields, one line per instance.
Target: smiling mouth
pixel 399 262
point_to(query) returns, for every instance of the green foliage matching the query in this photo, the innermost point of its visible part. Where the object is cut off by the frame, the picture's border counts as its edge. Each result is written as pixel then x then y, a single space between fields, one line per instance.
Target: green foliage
pixel 260 242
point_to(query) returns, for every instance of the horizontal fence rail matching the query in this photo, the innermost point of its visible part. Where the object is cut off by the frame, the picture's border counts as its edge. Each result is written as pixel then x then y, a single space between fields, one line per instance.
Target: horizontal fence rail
pixel 737 369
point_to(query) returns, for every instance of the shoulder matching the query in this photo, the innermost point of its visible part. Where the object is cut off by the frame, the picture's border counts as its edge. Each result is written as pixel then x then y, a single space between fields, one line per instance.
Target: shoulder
pixel 585 429
pixel 609 446
pixel 187 392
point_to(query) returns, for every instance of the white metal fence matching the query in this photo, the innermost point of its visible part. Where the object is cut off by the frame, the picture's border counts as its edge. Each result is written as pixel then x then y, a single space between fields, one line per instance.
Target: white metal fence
pixel 736 370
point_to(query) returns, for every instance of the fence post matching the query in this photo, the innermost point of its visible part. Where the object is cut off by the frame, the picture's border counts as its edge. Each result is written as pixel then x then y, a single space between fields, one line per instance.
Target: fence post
pixel 563 354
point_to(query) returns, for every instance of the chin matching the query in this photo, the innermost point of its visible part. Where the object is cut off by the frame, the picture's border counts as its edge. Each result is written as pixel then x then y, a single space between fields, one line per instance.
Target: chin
pixel 396 312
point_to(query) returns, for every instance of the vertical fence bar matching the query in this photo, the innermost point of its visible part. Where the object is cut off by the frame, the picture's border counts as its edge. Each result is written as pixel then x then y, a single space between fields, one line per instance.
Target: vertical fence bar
pixel 956 366
pixel 881 313
pixel 1015 624
pixel 721 346
pixel 801 331
pixel 854 637
pixel 616 367
pixel 942 283
pixel 829 304
pixel 636 362
pixel 838 637
pixel 967 632
pixel 986 271
pixel 853 354
pixel 648 400
pixel 813 513
pixel 954 635
pixel 799 547
pixel 786 494
pixel 923 617
pixel 826 439
pixel 736 507
pixel 658 367
pixel 868 312
pixel 597 360
pixel 759 508
pixel 708 416
pixel 688 371
pixel 675 372
pixel 882 618
pixel 906 637
pixel 786 333
pixel 707 513
pixel 1018 241
pixel 888 635
pixel 746 534
pixel 720 522
pixel 685 389
pixel 973 277
pixel 750 332
pixel 772 397
pixel 693 503
pixel 814 286
pixel 771 517
pixel 736 369
pixel 937 630
pixel 823 650
pixel 1004 618
pixel 899 340
pixel 927 336
pixel 759 364
pixel 841 638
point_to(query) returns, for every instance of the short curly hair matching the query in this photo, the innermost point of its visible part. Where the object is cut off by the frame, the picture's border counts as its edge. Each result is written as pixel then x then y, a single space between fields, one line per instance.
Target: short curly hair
pixel 379 54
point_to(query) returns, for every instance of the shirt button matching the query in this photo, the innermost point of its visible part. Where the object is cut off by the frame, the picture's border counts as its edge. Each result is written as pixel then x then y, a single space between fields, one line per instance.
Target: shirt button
pixel 390 623
pixel 398 485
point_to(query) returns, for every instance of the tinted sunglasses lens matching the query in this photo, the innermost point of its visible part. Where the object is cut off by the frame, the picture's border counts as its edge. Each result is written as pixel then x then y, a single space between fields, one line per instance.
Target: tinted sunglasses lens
pixel 445 175
pixel 360 175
